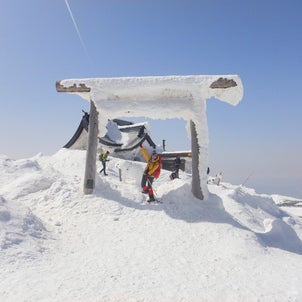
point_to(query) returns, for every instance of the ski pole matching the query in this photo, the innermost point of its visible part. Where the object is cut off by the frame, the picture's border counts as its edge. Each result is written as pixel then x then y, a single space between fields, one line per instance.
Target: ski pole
pixel 154 191
pixel 247 178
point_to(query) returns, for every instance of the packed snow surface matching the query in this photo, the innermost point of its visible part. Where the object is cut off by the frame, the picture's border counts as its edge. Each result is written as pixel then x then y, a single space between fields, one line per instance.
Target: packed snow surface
pixel 57 244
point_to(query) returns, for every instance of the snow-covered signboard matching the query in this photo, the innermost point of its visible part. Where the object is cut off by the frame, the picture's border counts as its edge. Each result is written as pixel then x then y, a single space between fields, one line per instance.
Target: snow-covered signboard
pixel 162 97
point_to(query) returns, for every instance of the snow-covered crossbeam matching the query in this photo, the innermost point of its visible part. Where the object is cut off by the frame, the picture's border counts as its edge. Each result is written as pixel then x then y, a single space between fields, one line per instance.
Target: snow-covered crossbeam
pixel 143 96
pixel 162 97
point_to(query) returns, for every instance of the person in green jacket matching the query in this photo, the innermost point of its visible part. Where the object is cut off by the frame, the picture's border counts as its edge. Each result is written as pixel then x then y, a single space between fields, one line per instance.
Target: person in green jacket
pixel 103 159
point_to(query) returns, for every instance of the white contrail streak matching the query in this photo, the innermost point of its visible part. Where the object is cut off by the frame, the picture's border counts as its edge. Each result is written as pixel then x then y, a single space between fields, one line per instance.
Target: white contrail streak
pixel 77 29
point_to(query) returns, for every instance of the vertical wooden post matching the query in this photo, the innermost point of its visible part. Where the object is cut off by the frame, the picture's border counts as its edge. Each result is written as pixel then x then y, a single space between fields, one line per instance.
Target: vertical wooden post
pixel 90 169
pixel 196 188
pixel 120 173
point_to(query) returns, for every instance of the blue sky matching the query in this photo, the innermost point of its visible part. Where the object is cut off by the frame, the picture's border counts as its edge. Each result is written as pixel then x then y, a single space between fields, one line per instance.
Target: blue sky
pixel 260 40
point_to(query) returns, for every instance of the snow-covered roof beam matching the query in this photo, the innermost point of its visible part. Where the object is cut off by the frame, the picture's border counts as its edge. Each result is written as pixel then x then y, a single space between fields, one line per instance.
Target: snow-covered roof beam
pixel 155 88
pixel 162 97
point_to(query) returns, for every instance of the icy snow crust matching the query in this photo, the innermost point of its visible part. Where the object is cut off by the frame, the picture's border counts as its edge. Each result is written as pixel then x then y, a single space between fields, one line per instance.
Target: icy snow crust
pixel 161 97
pixel 57 244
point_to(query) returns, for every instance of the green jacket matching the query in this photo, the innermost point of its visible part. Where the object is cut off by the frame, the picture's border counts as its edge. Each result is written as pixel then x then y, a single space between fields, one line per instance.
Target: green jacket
pixel 103 157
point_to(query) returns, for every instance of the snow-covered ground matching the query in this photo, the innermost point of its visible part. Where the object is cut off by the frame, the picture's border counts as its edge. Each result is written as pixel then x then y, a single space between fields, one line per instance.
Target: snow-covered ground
pixel 57 244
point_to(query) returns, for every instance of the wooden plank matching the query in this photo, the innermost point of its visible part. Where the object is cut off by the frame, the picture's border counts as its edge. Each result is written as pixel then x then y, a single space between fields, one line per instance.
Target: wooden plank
pixel 73 88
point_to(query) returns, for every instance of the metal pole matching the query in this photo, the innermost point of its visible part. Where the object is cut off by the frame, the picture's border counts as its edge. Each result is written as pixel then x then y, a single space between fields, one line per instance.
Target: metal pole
pixel 90 169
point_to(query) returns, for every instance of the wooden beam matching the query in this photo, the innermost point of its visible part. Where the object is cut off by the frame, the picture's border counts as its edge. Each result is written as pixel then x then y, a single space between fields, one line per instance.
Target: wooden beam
pixel 90 169
pixel 223 83
pixel 196 188
pixel 166 154
pixel 73 88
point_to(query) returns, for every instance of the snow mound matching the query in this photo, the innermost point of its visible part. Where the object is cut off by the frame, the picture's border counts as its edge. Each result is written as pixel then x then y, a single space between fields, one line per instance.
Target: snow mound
pixel 21 231
pixel 259 214
pixel 111 245
pixel 281 235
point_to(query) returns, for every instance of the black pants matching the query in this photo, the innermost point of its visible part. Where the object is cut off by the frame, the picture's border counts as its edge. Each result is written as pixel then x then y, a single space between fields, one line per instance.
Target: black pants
pixel 177 171
pixel 147 181
pixel 104 167
pixel 146 184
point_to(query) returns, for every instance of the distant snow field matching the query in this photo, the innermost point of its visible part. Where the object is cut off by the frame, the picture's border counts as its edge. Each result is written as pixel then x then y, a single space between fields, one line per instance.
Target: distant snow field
pixel 57 244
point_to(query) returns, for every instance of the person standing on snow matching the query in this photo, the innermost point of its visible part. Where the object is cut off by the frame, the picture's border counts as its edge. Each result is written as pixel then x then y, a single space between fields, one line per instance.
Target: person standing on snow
pixel 177 165
pixel 151 171
pixel 103 159
pixel 218 178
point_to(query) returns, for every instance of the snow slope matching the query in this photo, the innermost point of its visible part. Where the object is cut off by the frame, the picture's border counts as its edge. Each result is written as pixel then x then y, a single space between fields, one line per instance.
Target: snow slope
pixel 57 244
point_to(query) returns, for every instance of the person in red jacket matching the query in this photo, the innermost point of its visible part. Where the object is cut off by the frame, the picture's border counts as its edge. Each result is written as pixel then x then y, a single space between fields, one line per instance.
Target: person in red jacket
pixel 151 171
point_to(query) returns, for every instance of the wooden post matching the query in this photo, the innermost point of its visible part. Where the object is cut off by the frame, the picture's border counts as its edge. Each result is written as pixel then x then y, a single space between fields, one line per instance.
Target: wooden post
pixel 90 169
pixel 120 173
pixel 196 189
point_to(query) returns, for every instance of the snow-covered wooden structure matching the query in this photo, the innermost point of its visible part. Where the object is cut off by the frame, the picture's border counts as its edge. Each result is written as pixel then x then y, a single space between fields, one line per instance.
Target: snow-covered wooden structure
pixel 160 97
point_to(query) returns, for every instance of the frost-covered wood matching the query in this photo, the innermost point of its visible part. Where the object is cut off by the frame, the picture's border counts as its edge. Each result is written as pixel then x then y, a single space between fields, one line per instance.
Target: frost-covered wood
pixel 90 169
pixel 162 97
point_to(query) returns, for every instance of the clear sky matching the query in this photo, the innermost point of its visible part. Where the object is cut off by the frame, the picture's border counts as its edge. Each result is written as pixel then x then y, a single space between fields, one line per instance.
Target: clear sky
pixel 260 40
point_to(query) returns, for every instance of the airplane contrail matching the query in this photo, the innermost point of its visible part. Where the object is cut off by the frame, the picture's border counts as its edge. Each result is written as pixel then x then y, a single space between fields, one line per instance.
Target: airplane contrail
pixel 77 29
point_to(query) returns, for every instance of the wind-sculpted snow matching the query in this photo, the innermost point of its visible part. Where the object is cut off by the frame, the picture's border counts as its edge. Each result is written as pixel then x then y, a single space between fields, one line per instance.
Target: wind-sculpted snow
pixel 281 235
pixel 26 184
pixel 21 231
pixel 57 244
pixel 16 167
pixel 259 214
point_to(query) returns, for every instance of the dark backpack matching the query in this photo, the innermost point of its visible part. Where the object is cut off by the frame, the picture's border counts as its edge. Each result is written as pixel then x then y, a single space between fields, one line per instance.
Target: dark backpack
pixel 173 175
